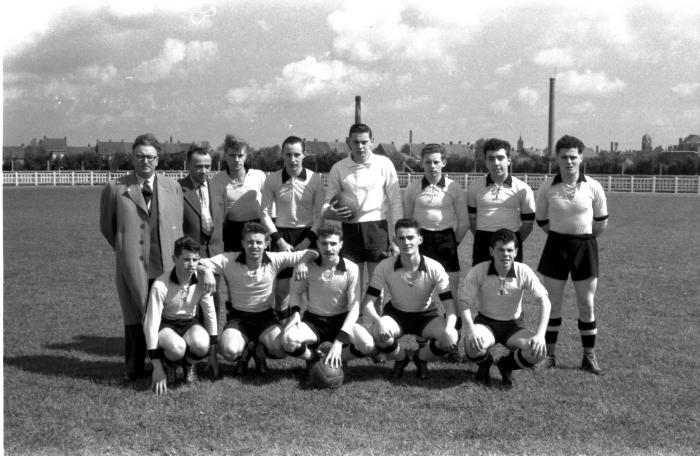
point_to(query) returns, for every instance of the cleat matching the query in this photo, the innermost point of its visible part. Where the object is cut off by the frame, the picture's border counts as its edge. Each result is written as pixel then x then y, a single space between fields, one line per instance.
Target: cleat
pixel 189 373
pixel 421 367
pixel 241 368
pixel 550 361
pixel 260 365
pixel 589 363
pixel 378 358
pixel 170 373
pixel 483 374
pixel 399 366
pixel 506 374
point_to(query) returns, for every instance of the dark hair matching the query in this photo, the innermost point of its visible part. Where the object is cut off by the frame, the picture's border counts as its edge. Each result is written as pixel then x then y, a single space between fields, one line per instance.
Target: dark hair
pixel 146 139
pixel 497 144
pixel 196 150
pixel 235 143
pixel 504 235
pixel 569 142
pixel 253 228
pixel 433 149
pixel 406 223
pixel 360 128
pixel 294 140
pixel 330 229
pixel 186 243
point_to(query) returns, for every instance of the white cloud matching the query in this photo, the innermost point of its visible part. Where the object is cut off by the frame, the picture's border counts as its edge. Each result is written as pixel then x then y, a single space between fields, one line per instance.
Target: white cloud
pixel 528 96
pixel 264 26
pixel 99 73
pixel 305 80
pixel 594 83
pixel 687 89
pixel 504 70
pixel 583 107
pixel 176 56
pixel 554 57
pixel 692 114
pixel 404 79
pixel 408 102
pixel 501 106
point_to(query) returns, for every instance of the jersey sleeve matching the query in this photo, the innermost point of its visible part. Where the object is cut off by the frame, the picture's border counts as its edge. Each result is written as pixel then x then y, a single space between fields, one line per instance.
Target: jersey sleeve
pixel 409 200
pixel 378 281
pixel 527 203
pixel 206 303
pixel 319 198
pixel 441 280
pixel 297 289
pixel 393 192
pixel 532 283
pixel 353 298
pixel 333 185
pixel 600 205
pixel 281 260
pixel 469 288
pixel 268 195
pixel 471 199
pixel 218 263
pixel 542 204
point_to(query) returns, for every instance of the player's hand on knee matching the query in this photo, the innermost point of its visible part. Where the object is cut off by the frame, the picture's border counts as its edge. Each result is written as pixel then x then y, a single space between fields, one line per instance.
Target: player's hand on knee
pixel 383 332
pixel 450 338
pixel 537 345
pixel 474 342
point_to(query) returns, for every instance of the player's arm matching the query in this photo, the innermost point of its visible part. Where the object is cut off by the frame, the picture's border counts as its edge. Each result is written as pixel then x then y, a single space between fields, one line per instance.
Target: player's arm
pixel 409 201
pixel 600 211
pixel 319 198
pixel 542 208
pixel 265 214
pixel 297 290
pixel 108 216
pixel 151 324
pixel 352 290
pixel 471 208
pixel 206 304
pixel 444 292
pixel 393 192
pixel 208 267
pixel 527 212
pixel 463 219
pixel 297 260
pixel 333 187
pixel 468 292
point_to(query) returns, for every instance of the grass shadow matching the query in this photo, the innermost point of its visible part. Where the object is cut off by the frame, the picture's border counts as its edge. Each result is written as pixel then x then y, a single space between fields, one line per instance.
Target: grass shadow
pixel 94 345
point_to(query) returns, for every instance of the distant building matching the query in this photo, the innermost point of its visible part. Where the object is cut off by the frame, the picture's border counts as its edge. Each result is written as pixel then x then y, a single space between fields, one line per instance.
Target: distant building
pixel 55 147
pixel 107 149
pixel 386 149
pixel 646 143
pixel 451 148
pixel 521 146
pixel 690 143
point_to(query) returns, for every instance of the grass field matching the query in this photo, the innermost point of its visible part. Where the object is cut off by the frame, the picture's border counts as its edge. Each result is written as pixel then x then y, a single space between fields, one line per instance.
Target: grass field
pixel 63 390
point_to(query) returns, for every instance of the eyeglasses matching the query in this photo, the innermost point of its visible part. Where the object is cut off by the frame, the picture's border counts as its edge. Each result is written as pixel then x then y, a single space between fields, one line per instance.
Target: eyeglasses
pixel 146 158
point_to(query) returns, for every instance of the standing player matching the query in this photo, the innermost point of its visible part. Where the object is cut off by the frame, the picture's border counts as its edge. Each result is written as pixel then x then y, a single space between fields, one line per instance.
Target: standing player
pixel 251 275
pixel 332 291
pixel 500 200
pixel 439 206
pixel 411 279
pixel 572 210
pixel 496 288
pixel 297 195
pixel 243 190
pixel 372 182
pixel 172 329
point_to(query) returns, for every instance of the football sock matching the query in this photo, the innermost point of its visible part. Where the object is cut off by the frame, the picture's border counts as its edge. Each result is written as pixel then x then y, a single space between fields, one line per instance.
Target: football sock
pixel 515 360
pixel 588 332
pixel 550 337
pixel 486 358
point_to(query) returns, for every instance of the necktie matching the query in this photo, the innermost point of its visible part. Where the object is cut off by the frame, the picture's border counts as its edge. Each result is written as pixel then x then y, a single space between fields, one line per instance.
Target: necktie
pixel 147 192
pixel 207 222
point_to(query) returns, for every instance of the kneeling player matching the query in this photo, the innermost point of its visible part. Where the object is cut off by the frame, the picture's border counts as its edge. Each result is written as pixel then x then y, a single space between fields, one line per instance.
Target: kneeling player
pixel 497 286
pixel 173 332
pixel 250 276
pixel 332 291
pixel 411 279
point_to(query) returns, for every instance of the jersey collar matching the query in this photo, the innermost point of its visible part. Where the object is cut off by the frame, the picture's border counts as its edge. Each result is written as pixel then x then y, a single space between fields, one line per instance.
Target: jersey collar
pixel 421 265
pixel 509 274
pixel 173 278
pixel 341 264
pixel 440 183
pixel 241 258
pixel 508 180
pixel 557 178
pixel 286 176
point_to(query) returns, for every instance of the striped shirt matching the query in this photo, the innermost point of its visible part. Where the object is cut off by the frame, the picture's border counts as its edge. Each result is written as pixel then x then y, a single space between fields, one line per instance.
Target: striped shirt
pixel 500 206
pixel 499 298
pixel 409 294
pixel 251 291
pixel 571 210
pixel 330 294
pixel 435 207
pixel 298 200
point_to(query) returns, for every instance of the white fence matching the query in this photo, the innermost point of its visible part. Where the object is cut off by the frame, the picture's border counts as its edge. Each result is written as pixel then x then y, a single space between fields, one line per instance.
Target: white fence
pixel 620 183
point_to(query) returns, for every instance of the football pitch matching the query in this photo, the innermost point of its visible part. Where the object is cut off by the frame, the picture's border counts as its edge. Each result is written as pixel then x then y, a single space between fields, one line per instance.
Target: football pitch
pixel 63 360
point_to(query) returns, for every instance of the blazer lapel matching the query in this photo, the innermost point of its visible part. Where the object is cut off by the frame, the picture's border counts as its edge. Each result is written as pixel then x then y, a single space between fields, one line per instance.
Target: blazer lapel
pixel 133 190
pixel 190 195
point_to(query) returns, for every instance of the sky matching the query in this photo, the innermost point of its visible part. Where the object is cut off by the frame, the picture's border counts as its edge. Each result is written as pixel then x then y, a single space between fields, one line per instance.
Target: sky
pixel 264 70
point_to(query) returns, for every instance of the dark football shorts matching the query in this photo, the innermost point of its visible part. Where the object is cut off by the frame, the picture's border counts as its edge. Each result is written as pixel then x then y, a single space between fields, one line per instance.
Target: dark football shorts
pixel 250 324
pixel 365 241
pixel 441 246
pixel 325 328
pixel 502 330
pixel 410 322
pixel 564 253
pixel 180 326
pixel 293 236
pixel 482 241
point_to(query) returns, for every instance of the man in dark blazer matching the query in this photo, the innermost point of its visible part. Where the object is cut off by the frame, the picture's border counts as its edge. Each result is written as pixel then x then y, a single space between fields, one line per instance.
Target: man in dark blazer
pixel 203 204
pixel 141 217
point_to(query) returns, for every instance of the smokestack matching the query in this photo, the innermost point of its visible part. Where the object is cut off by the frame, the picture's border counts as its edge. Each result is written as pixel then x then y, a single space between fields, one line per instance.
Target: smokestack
pixel 358 109
pixel 611 146
pixel 550 142
pixel 410 137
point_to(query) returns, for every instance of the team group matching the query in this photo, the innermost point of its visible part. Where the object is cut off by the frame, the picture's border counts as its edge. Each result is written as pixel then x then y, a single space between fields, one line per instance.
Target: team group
pixel 286 255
